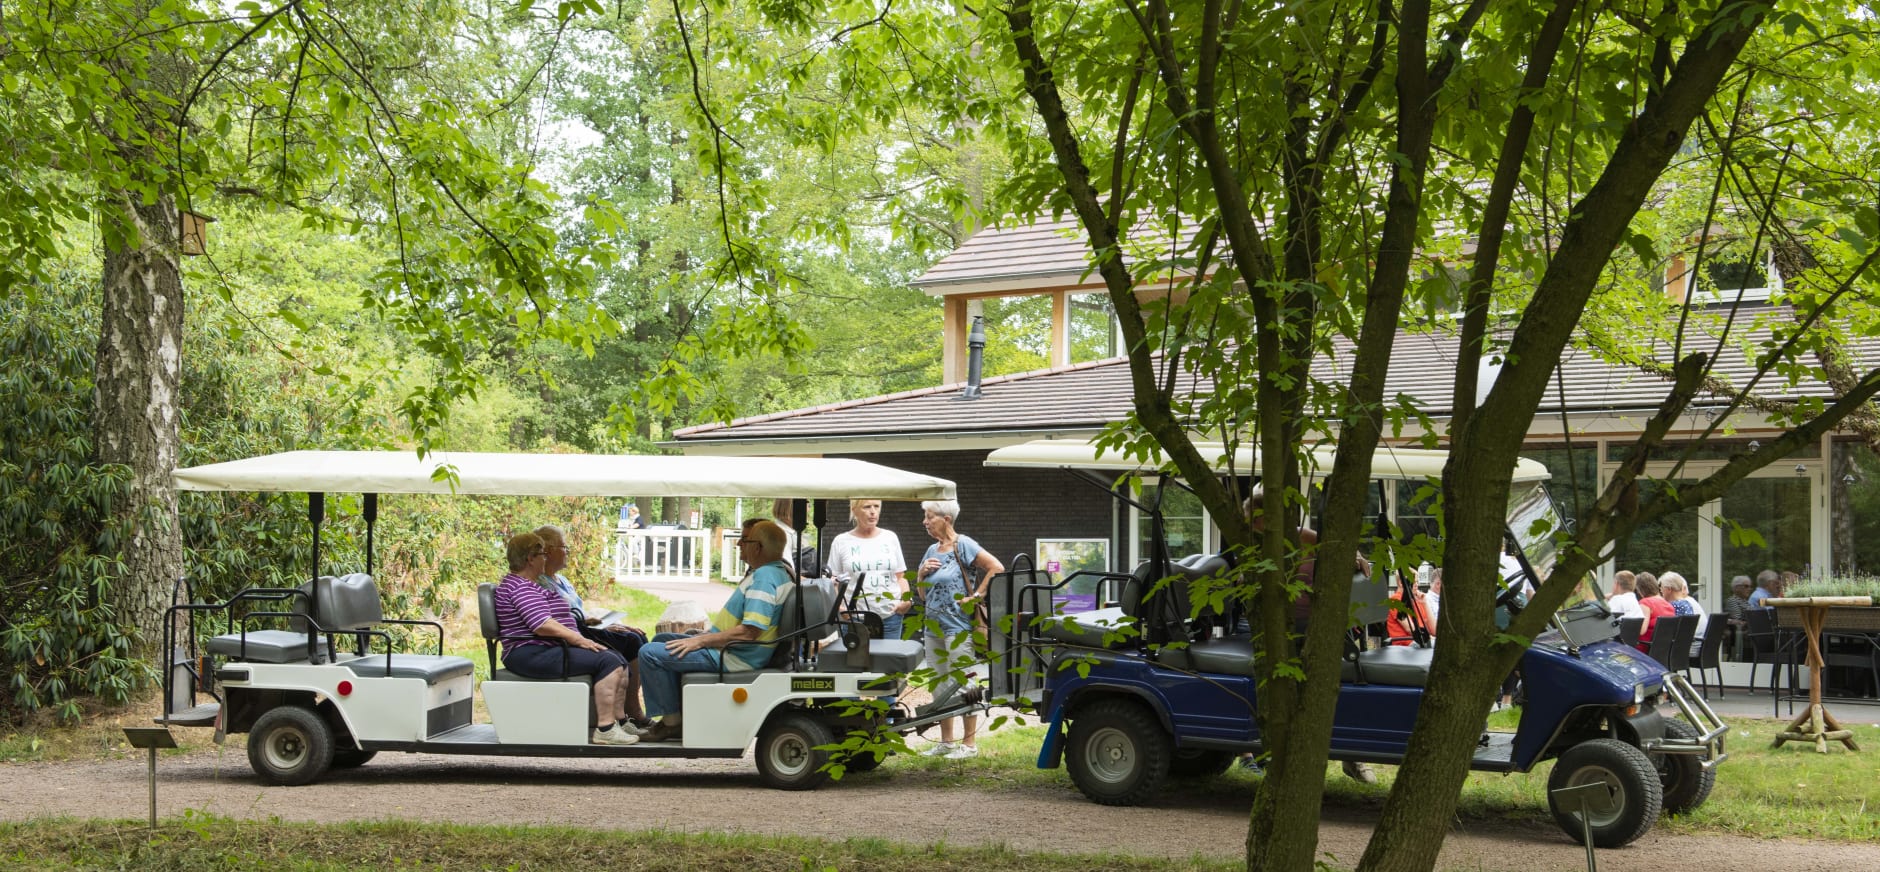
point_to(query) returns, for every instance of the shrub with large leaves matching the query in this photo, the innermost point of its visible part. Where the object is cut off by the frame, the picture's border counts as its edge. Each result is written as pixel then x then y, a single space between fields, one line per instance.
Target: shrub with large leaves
pixel 60 638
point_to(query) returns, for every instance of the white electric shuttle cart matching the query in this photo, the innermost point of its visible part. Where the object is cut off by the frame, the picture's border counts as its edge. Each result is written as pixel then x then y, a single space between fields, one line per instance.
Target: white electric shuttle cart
pixel 307 674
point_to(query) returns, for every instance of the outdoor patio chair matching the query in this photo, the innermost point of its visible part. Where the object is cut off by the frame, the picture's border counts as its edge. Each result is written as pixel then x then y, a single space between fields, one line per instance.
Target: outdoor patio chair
pixel 1710 657
pixel 1684 638
pixel 1767 645
pixel 1629 630
pixel 1664 644
pixel 1855 651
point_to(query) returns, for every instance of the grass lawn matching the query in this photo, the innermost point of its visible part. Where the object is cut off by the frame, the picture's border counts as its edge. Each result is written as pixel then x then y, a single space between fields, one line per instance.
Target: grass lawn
pixel 213 843
pixel 1790 792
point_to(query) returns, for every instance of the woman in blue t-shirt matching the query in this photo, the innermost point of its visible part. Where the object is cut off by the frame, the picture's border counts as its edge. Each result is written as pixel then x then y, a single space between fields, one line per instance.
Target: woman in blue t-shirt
pixel 949 606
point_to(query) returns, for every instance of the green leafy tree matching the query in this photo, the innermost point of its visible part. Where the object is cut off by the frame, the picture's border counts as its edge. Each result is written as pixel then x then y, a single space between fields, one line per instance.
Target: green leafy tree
pixel 1326 168
pixel 367 117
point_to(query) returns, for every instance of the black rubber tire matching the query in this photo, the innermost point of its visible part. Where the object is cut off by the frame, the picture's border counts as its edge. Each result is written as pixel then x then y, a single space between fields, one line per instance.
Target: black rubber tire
pixel 1117 752
pixel 352 758
pixel 1685 780
pixel 1199 762
pixel 787 755
pixel 1632 783
pixel 866 761
pixel 290 746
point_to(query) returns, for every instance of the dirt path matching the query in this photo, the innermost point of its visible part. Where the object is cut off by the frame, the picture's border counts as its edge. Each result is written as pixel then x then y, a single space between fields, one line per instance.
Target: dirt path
pixel 702 795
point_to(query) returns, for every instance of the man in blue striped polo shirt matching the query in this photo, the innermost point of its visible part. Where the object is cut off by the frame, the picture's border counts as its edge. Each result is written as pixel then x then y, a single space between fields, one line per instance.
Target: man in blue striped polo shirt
pixel 743 634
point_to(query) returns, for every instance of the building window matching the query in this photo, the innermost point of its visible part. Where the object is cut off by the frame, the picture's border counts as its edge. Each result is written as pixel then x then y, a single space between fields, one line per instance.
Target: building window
pixel 1730 277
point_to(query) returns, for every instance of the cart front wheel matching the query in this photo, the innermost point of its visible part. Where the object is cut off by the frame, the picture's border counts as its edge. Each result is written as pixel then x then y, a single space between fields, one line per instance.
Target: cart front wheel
pixel 1686 782
pixel 1629 798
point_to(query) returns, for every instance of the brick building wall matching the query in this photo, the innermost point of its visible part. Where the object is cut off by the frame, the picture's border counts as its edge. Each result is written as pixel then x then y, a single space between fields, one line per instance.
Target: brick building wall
pixel 1005 510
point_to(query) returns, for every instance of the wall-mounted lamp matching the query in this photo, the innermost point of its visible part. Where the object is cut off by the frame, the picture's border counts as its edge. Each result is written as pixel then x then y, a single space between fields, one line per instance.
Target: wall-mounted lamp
pixel 1848 479
pixel 195 239
pixel 1754 445
pixel 1801 469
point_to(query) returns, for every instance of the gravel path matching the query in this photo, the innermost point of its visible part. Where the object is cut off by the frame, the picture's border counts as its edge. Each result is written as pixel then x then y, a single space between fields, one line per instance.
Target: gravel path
pixel 702 795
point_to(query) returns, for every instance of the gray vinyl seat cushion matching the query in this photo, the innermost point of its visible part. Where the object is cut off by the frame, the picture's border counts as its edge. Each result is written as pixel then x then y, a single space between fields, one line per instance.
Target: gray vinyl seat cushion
pixel 1392 665
pixel 501 674
pixel 1088 629
pixel 884 655
pixel 263 646
pixel 433 668
pixel 1231 656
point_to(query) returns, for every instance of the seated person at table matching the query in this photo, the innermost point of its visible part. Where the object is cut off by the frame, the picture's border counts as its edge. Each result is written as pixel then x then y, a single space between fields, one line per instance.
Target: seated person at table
pixel 1651 599
pixel 539 629
pixel 1624 600
pixel 621 638
pixel 742 636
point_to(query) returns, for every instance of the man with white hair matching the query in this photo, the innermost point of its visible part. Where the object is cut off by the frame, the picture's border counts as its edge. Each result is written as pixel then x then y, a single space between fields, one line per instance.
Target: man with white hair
pixel 742 635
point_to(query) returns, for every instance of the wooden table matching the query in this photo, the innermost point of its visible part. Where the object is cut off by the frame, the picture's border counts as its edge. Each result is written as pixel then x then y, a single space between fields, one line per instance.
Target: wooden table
pixel 1816 724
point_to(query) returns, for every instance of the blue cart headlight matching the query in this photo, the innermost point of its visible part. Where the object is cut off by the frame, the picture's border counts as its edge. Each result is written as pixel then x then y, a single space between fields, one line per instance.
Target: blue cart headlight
pixel 1638 694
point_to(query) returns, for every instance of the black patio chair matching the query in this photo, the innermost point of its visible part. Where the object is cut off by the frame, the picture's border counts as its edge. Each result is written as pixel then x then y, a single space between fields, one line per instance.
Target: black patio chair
pixel 1710 656
pixel 1684 641
pixel 1769 645
pixel 1665 641
pixel 1629 630
pixel 1857 652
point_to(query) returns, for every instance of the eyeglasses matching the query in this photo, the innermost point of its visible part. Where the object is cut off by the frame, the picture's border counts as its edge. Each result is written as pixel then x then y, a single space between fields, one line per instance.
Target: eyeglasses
pixel 537 553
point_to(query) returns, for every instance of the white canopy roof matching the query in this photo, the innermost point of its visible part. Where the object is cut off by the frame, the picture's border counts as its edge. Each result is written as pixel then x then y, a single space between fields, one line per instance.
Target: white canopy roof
pixel 1411 464
pixel 572 475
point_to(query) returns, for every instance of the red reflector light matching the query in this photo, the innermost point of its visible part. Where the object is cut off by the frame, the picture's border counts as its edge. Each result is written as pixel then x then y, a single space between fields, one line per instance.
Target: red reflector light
pixel 345 688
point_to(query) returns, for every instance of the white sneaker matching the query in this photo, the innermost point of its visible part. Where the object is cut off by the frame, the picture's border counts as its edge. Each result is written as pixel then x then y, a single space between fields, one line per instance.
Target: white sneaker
pixel 962 752
pixel 632 729
pixel 937 749
pixel 615 736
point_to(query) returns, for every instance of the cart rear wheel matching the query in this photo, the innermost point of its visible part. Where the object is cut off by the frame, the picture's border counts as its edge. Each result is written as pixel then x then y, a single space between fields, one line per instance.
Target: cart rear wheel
pixel 787 755
pixel 291 746
pixel 1686 782
pixel 1118 753
pixel 1629 803
pixel 1199 762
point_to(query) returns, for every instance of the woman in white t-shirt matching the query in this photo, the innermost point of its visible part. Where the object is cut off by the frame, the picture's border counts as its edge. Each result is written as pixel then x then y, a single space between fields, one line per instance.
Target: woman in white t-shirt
pixel 871 556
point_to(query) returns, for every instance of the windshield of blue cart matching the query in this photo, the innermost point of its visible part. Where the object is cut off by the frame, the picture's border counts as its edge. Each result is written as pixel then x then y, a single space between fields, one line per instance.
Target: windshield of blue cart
pixel 1539 529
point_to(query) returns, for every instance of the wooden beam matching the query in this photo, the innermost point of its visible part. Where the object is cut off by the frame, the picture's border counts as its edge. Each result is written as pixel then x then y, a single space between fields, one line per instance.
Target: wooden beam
pixel 953 327
pixel 1060 329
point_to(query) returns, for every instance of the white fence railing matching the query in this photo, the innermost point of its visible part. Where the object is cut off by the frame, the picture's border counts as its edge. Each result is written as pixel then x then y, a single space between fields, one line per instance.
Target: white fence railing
pixel 662 555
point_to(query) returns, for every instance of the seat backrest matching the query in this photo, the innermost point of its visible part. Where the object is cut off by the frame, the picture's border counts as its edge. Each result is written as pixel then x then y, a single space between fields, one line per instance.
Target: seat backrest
pixel 1762 629
pixel 819 599
pixel 1664 638
pixel 1129 599
pixel 1681 644
pixel 1630 629
pixel 1709 651
pixel 349 602
pixel 486 610
pixel 1370 598
pixel 790 619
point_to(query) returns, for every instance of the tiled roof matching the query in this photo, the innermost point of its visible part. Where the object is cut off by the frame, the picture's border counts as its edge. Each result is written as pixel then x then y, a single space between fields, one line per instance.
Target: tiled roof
pixel 1090 395
pixel 1043 253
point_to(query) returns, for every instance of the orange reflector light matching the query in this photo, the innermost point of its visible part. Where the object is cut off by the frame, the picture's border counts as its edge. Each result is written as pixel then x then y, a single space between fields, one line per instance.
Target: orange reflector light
pixel 345 688
pixel 740 695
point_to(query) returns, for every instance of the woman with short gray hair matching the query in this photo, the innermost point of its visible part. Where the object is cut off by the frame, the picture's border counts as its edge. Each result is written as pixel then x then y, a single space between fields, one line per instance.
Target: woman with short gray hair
pixel 950 604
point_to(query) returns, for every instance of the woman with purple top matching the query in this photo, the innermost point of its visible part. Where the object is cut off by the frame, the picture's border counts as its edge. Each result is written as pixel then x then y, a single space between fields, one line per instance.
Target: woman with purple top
pixel 531 619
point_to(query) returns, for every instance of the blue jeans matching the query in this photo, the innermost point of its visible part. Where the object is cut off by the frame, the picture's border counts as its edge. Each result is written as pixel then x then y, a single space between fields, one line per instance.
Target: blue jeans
pixel 891 626
pixel 659 676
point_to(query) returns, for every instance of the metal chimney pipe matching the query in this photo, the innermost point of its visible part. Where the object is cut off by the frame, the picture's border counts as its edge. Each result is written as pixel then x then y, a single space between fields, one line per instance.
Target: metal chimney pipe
pixel 975 359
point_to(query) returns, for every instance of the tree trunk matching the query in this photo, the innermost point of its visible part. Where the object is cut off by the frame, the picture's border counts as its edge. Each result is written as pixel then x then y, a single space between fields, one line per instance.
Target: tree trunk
pixel 135 418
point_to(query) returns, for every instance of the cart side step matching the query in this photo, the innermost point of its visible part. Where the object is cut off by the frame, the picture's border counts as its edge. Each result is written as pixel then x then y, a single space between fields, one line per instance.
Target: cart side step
pixel 203 715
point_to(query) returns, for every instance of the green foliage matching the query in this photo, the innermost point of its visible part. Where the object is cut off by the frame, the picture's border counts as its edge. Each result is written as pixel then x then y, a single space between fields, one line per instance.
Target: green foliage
pixel 61 638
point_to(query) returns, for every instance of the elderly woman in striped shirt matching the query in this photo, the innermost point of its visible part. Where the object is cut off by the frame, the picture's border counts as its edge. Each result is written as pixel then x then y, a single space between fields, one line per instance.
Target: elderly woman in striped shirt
pixel 532 619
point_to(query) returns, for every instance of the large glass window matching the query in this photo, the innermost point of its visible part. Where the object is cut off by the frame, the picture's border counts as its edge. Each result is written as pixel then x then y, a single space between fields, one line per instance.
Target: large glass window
pixel 1666 544
pixel 1776 509
pixel 1854 479
pixel 1092 327
pixel 1183 522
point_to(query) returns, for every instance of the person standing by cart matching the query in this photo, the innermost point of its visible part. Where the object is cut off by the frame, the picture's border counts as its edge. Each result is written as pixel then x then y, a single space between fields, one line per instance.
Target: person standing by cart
pixel 623 639
pixel 541 639
pixel 871 557
pixel 955 572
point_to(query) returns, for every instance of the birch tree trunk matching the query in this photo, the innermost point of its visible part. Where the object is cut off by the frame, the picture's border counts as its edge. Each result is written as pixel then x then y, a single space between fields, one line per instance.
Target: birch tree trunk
pixel 135 418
